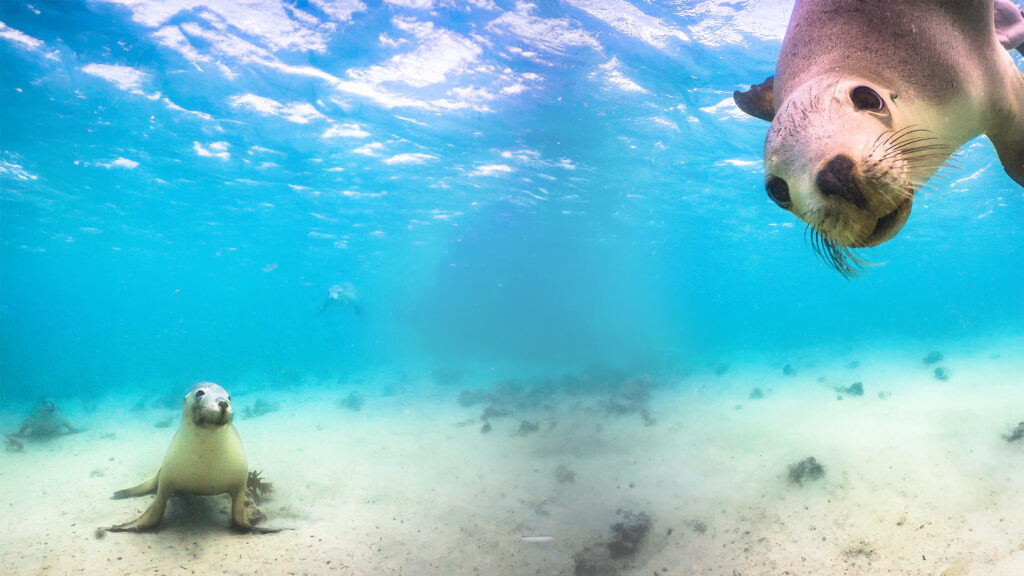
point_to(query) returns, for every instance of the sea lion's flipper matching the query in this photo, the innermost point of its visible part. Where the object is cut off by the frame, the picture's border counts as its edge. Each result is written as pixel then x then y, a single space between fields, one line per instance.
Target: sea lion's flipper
pixel 358 309
pixel 149 520
pixel 759 101
pixel 1009 144
pixel 147 487
pixel 71 429
pixel 240 516
pixel 1009 21
pixel 1007 133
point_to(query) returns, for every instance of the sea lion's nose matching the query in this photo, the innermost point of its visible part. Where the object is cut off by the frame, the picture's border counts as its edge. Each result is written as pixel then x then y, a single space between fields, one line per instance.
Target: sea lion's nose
pixel 837 178
pixel 223 405
pixel 778 191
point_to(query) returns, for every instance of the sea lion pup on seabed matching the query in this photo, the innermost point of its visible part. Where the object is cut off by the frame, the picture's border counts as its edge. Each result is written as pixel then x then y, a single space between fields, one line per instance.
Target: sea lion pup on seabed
pixel 205 457
pixel 870 98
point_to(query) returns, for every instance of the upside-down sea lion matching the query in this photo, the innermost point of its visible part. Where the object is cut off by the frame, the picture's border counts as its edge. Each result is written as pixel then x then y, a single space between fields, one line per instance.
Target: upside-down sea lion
pixel 205 457
pixel 870 98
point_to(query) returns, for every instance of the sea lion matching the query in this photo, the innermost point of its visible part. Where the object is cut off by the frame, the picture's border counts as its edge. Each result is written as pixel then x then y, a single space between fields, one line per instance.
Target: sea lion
pixel 205 457
pixel 870 98
pixel 45 421
pixel 343 294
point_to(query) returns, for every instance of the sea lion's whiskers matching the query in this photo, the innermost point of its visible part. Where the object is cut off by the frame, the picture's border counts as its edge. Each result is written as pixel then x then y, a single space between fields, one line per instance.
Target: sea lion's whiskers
pixel 842 259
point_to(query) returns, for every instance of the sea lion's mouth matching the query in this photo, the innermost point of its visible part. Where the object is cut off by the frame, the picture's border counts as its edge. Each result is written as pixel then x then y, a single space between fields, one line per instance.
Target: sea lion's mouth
pixel 887 226
pixel 217 415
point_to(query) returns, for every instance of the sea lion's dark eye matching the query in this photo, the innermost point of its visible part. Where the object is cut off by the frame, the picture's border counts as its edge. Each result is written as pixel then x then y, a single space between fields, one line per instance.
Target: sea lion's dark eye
pixel 778 191
pixel 865 98
pixel 200 393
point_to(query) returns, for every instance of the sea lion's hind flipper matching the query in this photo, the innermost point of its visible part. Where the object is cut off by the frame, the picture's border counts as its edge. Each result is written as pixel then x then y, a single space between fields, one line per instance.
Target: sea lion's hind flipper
pixel 147 487
pixel 759 101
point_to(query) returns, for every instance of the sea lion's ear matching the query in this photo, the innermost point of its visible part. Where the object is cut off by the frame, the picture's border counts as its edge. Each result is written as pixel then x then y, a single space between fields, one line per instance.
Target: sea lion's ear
pixel 759 101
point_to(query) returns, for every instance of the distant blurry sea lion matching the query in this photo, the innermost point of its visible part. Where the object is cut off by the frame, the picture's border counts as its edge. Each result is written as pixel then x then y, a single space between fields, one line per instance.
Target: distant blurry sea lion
pixel 343 294
pixel 205 457
pixel 45 421
pixel 870 98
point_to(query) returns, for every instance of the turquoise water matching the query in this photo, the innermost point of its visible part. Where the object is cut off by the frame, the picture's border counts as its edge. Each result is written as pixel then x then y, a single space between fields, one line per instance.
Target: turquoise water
pixel 538 187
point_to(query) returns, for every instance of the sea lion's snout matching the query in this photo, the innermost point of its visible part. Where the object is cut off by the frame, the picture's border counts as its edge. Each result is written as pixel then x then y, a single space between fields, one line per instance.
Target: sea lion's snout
pixel 838 179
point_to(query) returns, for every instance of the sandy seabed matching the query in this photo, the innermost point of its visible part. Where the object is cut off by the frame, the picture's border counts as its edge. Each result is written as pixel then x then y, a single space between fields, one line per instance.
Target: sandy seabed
pixel 917 482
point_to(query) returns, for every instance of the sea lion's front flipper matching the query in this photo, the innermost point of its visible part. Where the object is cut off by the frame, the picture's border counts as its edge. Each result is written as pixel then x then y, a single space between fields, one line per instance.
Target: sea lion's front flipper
pixel 1009 21
pixel 1009 144
pixel 759 101
pixel 240 517
pixel 1007 132
pixel 147 487
pixel 150 519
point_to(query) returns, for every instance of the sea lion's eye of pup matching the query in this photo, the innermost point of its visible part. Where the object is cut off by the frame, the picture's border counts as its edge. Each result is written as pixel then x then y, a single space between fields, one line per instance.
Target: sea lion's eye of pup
pixel 865 98
pixel 200 393
pixel 778 191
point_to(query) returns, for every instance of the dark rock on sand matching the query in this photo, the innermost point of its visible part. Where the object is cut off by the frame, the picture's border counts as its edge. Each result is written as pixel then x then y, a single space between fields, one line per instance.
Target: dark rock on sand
pixel 756 394
pixel 942 373
pixel 788 370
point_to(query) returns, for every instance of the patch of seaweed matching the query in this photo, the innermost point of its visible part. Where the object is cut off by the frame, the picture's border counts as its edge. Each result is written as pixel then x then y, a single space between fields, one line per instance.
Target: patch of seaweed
pixel 611 557
pixel 354 402
pixel 564 475
pixel 628 534
pixel 527 427
pixel 256 486
pixel 805 470
pixel 855 389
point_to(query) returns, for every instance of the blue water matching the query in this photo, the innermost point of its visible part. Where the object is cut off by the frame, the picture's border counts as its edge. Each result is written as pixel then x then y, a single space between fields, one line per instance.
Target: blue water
pixel 537 187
